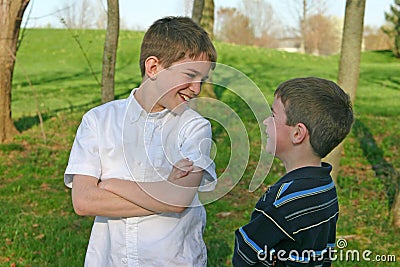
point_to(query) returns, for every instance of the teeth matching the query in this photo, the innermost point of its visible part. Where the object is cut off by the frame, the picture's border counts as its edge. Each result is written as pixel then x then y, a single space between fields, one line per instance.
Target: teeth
pixel 185 97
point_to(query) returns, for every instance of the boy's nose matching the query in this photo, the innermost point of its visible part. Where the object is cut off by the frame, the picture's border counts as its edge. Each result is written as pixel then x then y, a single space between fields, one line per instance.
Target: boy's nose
pixel 196 88
pixel 265 122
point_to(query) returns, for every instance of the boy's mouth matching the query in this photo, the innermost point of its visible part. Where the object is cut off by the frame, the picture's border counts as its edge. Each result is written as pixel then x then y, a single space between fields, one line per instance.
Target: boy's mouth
pixel 185 97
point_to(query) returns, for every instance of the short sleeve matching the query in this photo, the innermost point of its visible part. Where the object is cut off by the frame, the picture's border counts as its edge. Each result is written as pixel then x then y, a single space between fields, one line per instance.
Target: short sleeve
pixel 196 146
pixel 84 156
pixel 255 241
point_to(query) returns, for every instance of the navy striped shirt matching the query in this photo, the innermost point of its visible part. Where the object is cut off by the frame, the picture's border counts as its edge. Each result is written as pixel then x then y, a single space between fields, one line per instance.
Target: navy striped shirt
pixel 293 223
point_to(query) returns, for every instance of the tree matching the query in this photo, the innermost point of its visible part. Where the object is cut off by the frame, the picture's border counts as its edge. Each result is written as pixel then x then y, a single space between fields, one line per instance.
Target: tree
pixel 261 15
pixel 303 12
pixel 322 36
pixel 375 39
pixel 310 13
pixel 197 10
pixel 101 18
pixel 253 23
pixel 234 27
pixel 349 63
pixel 78 17
pixel 302 22
pixel 203 14
pixel 265 25
pixel 396 205
pixel 11 12
pixel 393 29
pixel 207 17
pixel 110 51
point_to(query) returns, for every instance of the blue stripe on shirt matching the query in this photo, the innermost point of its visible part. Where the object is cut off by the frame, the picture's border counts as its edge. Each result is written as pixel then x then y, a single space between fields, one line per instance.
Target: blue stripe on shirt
pixel 250 242
pixel 303 193
pixel 283 189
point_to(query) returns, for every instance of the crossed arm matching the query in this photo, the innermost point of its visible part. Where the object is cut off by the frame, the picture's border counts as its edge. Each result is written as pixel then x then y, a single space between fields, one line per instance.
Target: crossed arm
pixel 123 198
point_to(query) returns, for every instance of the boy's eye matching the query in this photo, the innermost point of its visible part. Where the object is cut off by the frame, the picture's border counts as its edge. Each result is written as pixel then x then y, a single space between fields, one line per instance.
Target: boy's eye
pixel 191 75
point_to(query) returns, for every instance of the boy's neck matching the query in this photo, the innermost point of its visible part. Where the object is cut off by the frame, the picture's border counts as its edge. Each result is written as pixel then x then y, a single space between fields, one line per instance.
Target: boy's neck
pixel 300 163
pixel 143 97
pixel 300 155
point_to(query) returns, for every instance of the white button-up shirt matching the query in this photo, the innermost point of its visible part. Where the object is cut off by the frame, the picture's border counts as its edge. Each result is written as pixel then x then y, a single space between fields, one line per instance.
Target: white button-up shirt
pixel 120 140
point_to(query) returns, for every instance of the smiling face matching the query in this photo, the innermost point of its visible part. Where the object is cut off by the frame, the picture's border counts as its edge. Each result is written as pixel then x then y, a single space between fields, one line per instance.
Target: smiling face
pixel 179 83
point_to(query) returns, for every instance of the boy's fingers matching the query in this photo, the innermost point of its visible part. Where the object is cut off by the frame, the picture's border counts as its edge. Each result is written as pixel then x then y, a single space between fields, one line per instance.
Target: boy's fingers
pixel 183 164
pixel 182 174
pixel 183 171
pixel 189 168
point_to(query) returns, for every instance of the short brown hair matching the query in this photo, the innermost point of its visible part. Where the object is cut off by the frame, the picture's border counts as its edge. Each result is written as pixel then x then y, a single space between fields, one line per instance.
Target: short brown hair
pixel 322 106
pixel 171 39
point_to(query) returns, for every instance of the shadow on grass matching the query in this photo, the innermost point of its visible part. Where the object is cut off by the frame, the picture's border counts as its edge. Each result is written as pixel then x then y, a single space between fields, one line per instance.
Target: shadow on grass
pixel 383 169
pixel 11 147
pixel 54 77
pixel 60 76
pixel 386 52
pixel 26 122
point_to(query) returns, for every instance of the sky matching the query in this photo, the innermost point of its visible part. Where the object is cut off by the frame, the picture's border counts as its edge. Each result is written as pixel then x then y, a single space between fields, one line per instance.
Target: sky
pixel 140 14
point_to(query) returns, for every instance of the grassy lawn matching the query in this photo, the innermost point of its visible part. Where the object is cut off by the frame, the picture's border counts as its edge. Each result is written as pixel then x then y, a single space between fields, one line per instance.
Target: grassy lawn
pixel 38 226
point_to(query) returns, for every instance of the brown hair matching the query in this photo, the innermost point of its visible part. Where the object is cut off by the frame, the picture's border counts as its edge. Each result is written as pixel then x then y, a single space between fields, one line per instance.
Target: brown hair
pixel 322 106
pixel 171 39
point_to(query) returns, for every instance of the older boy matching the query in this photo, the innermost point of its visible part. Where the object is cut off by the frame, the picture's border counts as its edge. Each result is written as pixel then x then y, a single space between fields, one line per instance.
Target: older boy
pixel 294 222
pixel 124 152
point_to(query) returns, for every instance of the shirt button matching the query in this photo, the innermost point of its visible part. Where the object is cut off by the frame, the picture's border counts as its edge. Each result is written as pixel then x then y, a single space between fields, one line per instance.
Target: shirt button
pixel 140 163
pixel 124 260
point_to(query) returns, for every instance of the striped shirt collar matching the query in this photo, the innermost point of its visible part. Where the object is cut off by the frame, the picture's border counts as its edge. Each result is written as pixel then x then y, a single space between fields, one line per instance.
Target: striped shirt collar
pixel 308 172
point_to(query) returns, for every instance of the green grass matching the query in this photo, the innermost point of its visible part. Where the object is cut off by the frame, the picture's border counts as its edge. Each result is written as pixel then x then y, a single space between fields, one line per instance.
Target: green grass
pixel 38 226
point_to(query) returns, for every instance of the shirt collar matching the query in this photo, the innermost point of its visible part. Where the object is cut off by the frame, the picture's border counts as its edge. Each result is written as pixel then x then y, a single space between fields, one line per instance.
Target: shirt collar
pixel 308 172
pixel 135 110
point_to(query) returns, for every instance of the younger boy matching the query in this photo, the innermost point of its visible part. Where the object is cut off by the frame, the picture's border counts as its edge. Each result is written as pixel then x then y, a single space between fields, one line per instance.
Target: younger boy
pixel 294 222
pixel 125 150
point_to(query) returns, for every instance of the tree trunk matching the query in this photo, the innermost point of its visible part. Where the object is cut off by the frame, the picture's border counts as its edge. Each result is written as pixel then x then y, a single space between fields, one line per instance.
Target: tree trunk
pixel 396 207
pixel 207 18
pixel 207 22
pixel 303 20
pixel 396 13
pixel 197 11
pixel 110 51
pixel 11 12
pixel 349 64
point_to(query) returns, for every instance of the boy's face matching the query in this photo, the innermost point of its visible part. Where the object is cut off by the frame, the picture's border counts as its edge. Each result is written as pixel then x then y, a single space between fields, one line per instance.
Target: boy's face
pixel 180 82
pixel 279 133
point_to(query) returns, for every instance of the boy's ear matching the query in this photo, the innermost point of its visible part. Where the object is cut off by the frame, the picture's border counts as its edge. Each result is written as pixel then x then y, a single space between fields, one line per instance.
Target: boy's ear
pixel 300 132
pixel 151 66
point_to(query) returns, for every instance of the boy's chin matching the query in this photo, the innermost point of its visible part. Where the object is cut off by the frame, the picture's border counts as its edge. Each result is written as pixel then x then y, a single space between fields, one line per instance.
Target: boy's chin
pixel 270 150
pixel 179 109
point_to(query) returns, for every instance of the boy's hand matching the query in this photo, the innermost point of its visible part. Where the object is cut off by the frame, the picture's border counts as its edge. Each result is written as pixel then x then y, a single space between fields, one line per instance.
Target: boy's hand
pixel 180 169
pixel 105 184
